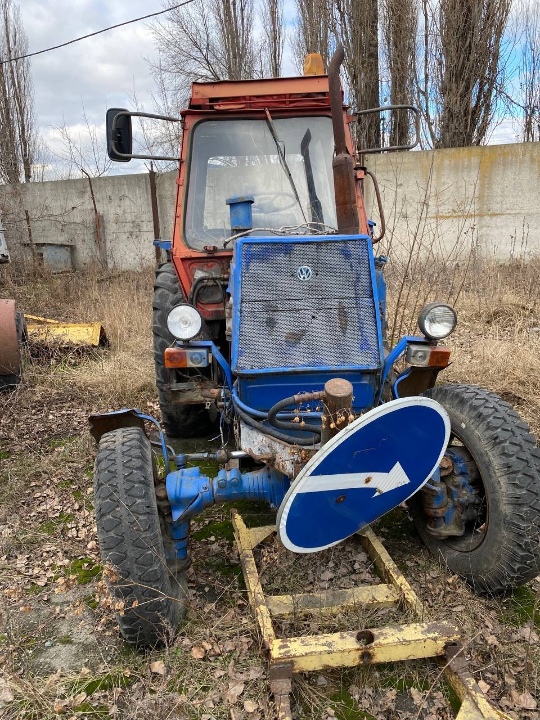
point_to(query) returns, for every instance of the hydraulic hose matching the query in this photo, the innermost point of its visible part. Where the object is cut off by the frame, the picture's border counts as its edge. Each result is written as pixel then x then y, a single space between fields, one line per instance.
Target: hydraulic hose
pixel 315 438
pixel 282 404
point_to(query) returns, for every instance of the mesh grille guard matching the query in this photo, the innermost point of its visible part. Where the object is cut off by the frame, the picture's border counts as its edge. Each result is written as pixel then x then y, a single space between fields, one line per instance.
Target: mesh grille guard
pixel 304 303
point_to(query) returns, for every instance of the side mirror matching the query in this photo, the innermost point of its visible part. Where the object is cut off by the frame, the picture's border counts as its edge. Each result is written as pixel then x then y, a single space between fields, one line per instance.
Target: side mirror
pixel 119 135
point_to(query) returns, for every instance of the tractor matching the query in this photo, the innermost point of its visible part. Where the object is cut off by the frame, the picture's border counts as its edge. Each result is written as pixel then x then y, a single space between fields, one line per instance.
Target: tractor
pixel 270 332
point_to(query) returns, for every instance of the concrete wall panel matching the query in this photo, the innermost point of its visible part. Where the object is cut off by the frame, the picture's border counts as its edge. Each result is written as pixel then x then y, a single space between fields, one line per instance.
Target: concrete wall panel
pixel 447 201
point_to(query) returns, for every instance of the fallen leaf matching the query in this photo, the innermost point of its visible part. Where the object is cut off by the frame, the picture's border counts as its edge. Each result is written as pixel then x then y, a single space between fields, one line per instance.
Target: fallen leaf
pixel 484 687
pixel 60 706
pixel 525 700
pixel 6 695
pixel 529 635
pixel 158 667
pixel 233 692
pixel 492 640
pixel 250 706
pixel 198 652
pixel 416 695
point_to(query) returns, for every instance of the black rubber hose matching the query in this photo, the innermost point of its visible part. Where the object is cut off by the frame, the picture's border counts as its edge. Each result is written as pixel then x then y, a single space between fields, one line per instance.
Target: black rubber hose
pixel 283 424
pixel 275 433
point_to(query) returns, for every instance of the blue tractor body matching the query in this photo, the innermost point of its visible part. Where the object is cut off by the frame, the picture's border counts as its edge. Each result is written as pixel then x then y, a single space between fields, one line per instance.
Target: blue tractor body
pixel 305 309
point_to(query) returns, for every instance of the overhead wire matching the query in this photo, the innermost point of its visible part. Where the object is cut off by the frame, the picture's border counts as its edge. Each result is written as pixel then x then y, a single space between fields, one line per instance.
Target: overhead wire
pixel 97 32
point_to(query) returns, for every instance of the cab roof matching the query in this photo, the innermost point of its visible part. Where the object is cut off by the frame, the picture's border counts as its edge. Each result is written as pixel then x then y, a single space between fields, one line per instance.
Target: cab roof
pixel 296 92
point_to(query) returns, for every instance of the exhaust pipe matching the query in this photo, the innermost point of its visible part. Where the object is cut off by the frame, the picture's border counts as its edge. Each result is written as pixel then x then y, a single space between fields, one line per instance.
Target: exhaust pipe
pixel 343 163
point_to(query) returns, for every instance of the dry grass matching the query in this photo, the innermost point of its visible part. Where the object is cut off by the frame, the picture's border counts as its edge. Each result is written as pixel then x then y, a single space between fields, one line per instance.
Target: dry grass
pixel 46 527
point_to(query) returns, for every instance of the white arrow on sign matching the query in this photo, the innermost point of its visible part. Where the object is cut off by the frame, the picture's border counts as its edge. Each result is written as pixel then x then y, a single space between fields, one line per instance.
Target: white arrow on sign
pixel 379 481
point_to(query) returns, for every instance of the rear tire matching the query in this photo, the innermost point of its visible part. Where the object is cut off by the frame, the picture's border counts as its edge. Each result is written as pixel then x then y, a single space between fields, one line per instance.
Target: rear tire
pixel 179 421
pixel 501 548
pixel 131 542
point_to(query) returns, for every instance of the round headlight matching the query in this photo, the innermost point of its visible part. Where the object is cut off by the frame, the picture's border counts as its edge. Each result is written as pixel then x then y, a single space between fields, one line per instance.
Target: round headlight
pixel 437 320
pixel 184 322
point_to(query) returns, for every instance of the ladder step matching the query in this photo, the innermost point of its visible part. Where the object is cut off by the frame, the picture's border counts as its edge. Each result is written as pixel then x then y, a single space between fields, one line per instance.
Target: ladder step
pixel 373 596
pixel 366 647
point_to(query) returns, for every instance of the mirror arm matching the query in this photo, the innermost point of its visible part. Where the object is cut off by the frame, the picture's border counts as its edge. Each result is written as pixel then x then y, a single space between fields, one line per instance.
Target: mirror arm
pixel 393 148
pixel 130 156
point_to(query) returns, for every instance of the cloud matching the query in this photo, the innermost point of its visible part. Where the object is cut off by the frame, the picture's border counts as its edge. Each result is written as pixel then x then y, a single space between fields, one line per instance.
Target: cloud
pixel 94 73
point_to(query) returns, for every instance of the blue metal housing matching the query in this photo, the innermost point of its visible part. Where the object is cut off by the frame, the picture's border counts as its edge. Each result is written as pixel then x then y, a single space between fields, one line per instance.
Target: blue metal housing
pixel 305 309
pixel 241 212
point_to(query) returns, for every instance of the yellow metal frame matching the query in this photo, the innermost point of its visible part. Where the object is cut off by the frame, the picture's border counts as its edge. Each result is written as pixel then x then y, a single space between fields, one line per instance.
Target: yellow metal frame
pixel 45 330
pixel 422 639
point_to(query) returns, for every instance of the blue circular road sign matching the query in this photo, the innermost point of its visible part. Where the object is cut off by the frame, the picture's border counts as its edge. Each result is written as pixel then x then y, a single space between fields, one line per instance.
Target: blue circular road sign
pixel 370 467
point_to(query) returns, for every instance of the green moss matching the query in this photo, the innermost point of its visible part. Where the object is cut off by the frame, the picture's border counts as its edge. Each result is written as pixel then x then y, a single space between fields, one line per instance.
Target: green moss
pixel 64 640
pixel 34 589
pixel 85 570
pixel 451 696
pixel 346 708
pixel 220 529
pixel 105 682
pixel 89 710
pixel 224 568
pixel 395 525
pixel 61 442
pixel 91 602
pixel 254 513
pixel 49 527
pixel 392 677
pixel 521 607
pixel 4 455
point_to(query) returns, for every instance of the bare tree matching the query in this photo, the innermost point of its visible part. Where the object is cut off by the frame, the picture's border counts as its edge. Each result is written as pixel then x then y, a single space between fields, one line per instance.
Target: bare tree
pixel 312 32
pixel 83 149
pixel 463 64
pixel 529 70
pixel 207 40
pixel 274 36
pixel 356 25
pixel 18 133
pixel 400 20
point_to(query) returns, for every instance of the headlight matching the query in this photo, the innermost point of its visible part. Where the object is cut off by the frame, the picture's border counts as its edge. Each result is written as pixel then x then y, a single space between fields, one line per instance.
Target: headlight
pixel 437 320
pixel 184 322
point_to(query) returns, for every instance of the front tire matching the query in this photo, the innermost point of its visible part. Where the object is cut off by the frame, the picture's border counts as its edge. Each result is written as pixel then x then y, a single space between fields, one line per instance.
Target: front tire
pixel 501 548
pixel 153 599
pixel 179 421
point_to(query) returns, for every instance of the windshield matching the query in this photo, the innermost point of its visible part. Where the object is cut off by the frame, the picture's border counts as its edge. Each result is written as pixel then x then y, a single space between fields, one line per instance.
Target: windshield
pixel 242 157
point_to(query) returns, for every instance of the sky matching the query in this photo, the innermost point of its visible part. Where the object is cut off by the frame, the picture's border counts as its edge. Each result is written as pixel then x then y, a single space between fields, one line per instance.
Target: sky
pixel 102 71
pixel 91 75
pixel 96 73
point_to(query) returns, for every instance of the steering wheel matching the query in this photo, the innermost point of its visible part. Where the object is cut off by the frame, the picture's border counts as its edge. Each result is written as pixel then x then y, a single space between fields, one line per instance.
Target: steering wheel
pixel 267 203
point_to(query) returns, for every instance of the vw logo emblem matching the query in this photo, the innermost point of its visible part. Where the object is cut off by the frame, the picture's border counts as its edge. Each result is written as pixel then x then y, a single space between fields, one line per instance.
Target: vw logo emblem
pixel 304 273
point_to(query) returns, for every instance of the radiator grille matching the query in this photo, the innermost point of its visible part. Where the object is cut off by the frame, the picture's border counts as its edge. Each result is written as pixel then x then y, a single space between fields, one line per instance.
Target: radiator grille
pixel 326 321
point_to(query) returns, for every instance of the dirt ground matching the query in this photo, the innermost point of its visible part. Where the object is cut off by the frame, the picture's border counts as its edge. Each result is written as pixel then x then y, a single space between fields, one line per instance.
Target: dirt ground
pixel 60 653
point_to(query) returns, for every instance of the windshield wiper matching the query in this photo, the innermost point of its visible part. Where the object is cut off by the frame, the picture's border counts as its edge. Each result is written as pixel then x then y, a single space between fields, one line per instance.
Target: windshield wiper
pixel 315 204
pixel 283 160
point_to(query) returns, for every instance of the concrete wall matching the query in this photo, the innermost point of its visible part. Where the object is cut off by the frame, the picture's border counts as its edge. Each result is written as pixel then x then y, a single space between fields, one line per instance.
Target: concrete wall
pixel 61 213
pixel 447 201
pixel 451 200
